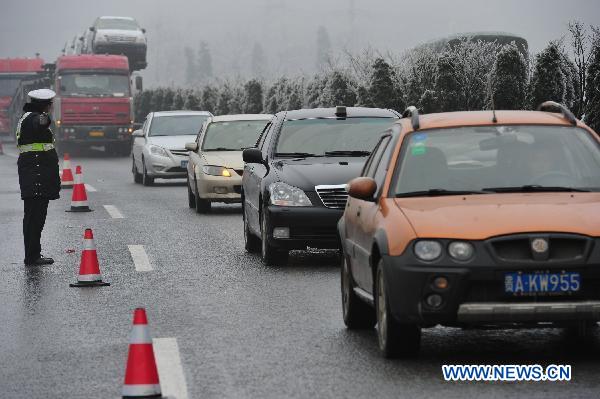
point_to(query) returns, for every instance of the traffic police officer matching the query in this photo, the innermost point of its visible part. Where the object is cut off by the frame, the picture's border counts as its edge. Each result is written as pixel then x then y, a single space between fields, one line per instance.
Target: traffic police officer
pixel 38 171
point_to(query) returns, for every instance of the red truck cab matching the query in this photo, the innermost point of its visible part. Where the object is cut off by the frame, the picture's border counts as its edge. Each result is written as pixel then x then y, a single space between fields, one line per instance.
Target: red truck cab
pixel 12 72
pixel 94 104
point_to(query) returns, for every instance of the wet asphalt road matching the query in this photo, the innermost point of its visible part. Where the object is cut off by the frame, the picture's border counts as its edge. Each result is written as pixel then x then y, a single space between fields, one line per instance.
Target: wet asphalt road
pixel 244 330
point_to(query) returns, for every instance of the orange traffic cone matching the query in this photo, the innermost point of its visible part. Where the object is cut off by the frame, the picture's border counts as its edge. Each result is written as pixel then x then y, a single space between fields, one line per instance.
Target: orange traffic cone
pixel 141 375
pixel 66 178
pixel 89 269
pixel 79 202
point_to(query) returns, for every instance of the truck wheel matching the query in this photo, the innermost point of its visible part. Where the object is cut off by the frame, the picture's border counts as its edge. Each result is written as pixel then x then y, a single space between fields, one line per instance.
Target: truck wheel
pixel 137 177
pixel 269 254
pixel 395 339
pixel 251 242
pixel 146 180
pixel 191 197
pixel 357 314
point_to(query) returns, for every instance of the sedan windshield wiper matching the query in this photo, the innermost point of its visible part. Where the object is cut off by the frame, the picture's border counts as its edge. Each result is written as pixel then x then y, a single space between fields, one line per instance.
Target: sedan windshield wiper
pixel 296 154
pixel 348 153
pixel 534 188
pixel 435 192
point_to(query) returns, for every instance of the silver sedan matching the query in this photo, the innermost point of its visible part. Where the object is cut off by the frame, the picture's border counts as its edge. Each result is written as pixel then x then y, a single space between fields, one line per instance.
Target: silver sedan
pixel 159 146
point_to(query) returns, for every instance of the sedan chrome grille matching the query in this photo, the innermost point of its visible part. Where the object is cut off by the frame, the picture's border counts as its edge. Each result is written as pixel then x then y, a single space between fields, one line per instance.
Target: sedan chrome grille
pixel 333 196
pixel 183 153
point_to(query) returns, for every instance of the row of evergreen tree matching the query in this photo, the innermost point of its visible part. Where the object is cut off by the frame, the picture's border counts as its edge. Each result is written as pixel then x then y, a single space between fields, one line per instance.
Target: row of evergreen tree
pixel 468 75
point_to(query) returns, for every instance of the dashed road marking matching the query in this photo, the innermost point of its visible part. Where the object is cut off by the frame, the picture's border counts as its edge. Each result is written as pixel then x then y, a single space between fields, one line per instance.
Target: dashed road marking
pixel 170 369
pixel 140 258
pixel 90 188
pixel 113 211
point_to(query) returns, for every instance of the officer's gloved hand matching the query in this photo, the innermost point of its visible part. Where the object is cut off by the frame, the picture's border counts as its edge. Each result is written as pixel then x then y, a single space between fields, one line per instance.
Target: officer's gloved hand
pixel 45 119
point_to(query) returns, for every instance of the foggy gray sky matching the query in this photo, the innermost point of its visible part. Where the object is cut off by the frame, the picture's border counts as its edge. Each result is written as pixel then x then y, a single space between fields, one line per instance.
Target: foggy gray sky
pixel 286 29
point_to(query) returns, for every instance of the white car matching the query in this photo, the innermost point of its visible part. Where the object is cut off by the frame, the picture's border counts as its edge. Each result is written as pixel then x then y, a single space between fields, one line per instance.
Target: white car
pixel 159 146
pixel 118 35
pixel 215 169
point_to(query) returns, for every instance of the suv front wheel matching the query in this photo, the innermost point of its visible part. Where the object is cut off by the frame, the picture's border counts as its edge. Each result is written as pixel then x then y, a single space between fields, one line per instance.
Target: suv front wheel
pixel 395 339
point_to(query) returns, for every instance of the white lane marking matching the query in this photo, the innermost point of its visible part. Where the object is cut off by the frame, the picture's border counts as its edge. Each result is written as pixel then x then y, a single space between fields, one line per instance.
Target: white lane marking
pixel 113 211
pixel 140 258
pixel 170 370
pixel 90 188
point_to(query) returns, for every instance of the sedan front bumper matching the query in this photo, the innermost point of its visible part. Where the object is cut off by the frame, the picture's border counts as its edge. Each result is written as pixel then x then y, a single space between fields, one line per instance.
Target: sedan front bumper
pixel 310 226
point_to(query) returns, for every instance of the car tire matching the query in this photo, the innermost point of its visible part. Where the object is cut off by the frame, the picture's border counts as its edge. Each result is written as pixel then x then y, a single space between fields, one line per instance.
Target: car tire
pixel 358 315
pixel 251 242
pixel 146 179
pixel 395 339
pixel 191 197
pixel 269 254
pixel 202 206
pixel 137 177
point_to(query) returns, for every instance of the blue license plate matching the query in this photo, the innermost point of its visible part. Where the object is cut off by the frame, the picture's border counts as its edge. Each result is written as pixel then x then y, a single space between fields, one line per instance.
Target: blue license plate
pixel 184 164
pixel 541 283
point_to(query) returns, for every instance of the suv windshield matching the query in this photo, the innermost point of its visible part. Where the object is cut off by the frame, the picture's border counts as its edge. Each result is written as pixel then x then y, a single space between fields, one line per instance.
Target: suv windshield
pixel 176 125
pixel 485 159
pixel 92 84
pixel 117 23
pixel 320 137
pixel 232 136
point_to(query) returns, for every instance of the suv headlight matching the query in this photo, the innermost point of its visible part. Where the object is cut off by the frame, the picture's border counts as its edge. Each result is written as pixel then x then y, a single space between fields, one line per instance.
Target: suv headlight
pixel 156 150
pixel 216 171
pixel 283 194
pixel 461 250
pixel 428 250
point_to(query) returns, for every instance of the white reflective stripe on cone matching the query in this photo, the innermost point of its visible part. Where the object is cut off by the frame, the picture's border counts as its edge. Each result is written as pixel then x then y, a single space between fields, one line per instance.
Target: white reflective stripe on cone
pixel 87 278
pixel 79 203
pixel 141 389
pixel 88 244
pixel 67 183
pixel 140 334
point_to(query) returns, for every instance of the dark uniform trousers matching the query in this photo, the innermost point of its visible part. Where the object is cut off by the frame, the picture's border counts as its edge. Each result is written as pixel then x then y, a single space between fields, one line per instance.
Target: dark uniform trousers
pixel 33 224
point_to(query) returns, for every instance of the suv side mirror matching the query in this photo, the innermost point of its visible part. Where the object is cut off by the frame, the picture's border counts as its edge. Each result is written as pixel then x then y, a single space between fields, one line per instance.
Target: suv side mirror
pixel 362 188
pixel 138 133
pixel 252 155
pixel 92 29
pixel 143 30
pixel 191 146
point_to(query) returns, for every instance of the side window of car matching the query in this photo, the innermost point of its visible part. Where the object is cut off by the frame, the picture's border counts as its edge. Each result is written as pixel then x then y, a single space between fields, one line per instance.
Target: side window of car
pixel 263 135
pixel 373 161
pixel 382 164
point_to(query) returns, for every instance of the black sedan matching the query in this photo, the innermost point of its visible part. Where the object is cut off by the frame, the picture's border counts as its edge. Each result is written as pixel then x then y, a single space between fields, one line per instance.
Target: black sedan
pixel 294 182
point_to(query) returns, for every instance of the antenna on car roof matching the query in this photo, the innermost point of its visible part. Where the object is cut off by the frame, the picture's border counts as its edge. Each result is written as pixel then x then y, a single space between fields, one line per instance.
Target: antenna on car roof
pixel 553 106
pixel 413 112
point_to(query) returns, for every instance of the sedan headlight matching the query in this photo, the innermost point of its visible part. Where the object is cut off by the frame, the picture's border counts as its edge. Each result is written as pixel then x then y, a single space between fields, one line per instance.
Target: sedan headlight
pixel 428 250
pixel 283 194
pixel 156 150
pixel 461 250
pixel 216 171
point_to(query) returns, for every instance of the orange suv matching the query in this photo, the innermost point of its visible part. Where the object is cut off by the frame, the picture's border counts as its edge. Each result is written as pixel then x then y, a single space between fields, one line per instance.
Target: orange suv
pixel 474 218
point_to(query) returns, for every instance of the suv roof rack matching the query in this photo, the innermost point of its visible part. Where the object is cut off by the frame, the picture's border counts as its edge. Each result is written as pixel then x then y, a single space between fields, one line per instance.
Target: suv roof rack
pixel 553 106
pixel 413 112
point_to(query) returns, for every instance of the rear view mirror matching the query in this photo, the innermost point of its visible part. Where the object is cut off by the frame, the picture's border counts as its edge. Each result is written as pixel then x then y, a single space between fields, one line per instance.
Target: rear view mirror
pixel 493 143
pixel 191 146
pixel 252 155
pixel 138 83
pixel 138 133
pixel 362 188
